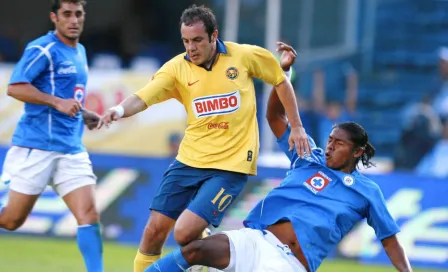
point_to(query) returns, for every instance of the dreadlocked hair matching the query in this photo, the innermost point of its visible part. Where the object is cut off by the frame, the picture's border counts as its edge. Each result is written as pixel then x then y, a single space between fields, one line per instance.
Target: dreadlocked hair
pixel 359 137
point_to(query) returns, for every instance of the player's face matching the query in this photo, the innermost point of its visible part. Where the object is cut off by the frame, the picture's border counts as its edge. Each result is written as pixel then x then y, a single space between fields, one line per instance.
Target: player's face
pixel 69 20
pixel 339 153
pixel 198 45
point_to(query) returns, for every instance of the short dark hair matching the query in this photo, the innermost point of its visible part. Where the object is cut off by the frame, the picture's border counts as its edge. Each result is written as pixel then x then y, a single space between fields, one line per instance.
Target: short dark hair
pixel 195 14
pixel 56 4
pixel 360 139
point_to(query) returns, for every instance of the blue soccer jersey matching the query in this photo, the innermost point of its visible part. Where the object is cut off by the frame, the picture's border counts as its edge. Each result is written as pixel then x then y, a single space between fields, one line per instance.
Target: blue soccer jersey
pixel 60 70
pixel 322 204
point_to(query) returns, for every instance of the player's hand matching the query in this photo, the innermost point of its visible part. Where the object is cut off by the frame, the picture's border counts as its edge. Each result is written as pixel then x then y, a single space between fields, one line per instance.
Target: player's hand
pixel 288 56
pixel 108 117
pixel 68 106
pixel 91 119
pixel 299 138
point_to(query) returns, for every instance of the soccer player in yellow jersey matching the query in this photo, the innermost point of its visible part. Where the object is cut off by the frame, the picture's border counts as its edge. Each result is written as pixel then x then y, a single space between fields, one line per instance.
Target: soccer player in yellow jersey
pixel 213 80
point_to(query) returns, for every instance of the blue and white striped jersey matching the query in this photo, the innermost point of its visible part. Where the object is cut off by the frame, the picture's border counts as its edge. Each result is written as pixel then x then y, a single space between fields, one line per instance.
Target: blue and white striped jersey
pixel 60 70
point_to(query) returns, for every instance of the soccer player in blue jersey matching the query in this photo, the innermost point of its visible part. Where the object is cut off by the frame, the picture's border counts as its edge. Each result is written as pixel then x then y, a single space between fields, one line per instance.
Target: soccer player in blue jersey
pixel 50 79
pixel 298 223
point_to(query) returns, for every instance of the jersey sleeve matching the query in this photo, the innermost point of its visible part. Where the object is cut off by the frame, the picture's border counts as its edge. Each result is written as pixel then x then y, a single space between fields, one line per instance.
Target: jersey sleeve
pixel 160 88
pixel 292 155
pixel 263 65
pixel 33 62
pixel 84 55
pixel 379 218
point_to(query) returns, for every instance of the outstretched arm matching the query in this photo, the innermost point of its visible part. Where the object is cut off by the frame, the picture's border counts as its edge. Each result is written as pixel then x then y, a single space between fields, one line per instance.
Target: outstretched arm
pixel 396 254
pixel 285 93
pixel 129 107
pixel 132 105
pixel 263 65
pixel 298 137
pixel 276 114
pixel 159 89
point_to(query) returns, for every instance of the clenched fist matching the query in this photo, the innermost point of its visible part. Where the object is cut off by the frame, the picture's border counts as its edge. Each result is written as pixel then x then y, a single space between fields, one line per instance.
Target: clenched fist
pixel 68 106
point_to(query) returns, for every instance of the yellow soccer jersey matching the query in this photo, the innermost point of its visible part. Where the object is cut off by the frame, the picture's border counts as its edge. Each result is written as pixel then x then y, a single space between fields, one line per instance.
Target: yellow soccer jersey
pixel 222 131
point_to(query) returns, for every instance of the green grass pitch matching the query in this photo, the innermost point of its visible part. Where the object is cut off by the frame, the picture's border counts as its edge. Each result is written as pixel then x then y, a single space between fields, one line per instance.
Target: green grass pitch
pixel 20 253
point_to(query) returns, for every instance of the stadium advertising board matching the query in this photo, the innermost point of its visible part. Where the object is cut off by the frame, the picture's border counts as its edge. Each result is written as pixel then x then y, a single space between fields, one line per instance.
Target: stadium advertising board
pixel 127 185
pixel 147 133
pixel 420 207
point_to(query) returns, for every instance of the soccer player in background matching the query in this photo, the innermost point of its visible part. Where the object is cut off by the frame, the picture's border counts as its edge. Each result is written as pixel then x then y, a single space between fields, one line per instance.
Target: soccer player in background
pixel 298 223
pixel 213 80
pixel 50 79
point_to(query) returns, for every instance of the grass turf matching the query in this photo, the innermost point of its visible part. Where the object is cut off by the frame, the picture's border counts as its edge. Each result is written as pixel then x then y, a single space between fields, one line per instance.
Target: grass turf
pixel 40 254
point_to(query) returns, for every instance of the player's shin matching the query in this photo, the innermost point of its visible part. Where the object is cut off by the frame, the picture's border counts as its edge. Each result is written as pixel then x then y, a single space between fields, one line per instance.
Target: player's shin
pixel 91 246
pixel 173 262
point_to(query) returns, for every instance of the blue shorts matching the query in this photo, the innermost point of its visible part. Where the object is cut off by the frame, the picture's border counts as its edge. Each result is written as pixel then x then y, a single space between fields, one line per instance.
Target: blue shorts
pixel 206 192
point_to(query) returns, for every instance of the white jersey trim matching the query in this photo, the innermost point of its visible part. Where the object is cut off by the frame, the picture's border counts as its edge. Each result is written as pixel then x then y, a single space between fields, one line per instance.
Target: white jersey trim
pixel 46 51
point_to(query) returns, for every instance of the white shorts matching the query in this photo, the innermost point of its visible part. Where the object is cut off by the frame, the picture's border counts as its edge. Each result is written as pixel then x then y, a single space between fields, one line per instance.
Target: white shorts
pixel 30 171
pixel 252 250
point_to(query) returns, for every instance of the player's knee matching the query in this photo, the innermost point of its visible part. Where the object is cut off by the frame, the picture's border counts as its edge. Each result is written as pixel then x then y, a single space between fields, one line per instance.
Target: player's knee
pixel 12 226
pixel 88 215
pixel 184 234
pixel 12 223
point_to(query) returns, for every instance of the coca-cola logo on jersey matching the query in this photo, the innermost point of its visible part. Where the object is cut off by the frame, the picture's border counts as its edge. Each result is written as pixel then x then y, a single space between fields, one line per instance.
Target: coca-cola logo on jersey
pixel 221 125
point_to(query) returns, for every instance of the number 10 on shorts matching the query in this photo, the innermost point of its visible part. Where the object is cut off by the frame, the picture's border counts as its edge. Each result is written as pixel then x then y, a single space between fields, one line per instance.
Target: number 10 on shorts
pixel 224 200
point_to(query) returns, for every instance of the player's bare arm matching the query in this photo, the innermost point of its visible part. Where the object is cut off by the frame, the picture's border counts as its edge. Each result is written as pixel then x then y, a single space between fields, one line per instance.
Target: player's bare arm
pixel 298 136
pixel 91 118
pixel 285 92
pixel 276 114
pixel 396 254
pixel 27 93
pixel 129 107
pixel 286 95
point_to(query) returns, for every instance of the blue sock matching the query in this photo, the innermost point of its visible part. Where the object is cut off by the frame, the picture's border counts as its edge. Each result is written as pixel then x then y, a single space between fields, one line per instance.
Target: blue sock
pixel 91 247
pixel 173 262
